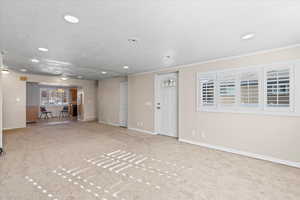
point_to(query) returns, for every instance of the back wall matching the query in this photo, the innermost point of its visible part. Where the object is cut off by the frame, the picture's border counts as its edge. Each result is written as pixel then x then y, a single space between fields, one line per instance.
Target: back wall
pixel 263 135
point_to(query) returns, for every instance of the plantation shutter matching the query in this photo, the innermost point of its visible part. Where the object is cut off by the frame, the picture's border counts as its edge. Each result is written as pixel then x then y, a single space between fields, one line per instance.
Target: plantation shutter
pixel 278 88
pixel 249 89
pixel 207 88
pixel 227 90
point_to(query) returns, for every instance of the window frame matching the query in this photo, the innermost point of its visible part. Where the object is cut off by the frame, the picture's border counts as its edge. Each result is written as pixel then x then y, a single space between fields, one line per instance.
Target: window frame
pixel 201 77
pixel 291 89
pixel 261 109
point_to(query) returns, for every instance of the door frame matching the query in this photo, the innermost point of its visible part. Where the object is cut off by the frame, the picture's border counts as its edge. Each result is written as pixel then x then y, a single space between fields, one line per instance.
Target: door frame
pixel 123 83
pixel 156 94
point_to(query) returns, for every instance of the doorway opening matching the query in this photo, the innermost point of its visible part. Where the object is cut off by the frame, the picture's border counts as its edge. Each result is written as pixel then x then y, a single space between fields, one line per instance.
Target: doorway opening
pixel 166 104
pixel 52 104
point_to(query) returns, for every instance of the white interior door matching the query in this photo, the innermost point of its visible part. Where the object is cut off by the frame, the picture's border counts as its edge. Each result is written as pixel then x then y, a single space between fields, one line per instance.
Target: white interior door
pixel 123 115
pixel 166 104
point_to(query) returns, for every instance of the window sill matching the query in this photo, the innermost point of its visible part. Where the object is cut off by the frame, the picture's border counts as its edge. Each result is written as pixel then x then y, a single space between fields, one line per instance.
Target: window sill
pixel 257 112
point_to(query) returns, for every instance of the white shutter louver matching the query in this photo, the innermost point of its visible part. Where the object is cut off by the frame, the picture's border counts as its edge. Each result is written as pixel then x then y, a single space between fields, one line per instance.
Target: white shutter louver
pixel 278 88
pixel 249 88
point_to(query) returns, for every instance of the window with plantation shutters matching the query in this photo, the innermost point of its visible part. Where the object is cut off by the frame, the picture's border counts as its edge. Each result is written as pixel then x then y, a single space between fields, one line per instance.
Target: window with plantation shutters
pixel 278 88
pixel 207 87
pixel 269 89
pixel 249 88
pixel 227 90
pixel 208 92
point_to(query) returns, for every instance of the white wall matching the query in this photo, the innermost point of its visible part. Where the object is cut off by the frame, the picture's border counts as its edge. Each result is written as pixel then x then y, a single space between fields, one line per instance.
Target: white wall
pixel 141 102
pixel 266 135
pixel 109 100
pixel 14 101
pixel 14 97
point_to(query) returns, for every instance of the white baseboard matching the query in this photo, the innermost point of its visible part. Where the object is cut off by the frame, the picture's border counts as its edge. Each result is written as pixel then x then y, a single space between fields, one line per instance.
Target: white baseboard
pixel 109 123
pixel 7 129
pixel 251 155
pixel 141 130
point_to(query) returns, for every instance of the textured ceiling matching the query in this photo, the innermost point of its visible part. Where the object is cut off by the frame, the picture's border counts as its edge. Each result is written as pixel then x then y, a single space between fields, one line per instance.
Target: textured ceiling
pixel 185 31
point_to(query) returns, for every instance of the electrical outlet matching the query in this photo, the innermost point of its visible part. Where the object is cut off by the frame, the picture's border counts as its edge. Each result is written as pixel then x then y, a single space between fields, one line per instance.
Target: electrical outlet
pixel 139 124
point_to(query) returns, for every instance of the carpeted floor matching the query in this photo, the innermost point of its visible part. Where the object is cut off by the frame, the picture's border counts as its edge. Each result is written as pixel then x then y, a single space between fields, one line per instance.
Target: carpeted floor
pixel 84 161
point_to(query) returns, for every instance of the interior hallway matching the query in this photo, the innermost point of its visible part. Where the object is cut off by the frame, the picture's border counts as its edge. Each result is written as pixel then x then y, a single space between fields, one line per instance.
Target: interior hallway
pixel 84 161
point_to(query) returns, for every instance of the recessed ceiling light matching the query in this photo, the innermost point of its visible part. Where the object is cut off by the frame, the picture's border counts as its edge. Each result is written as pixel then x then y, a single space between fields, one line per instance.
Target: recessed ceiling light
pixel 104 72
pixel 43 49
pixel 80 77
pixel 126 67
pixel 133 41
pixel 35 60
pixel 5 71
pixel 64 78
pixel 248 36
pixel 71 19
pixel 23 70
